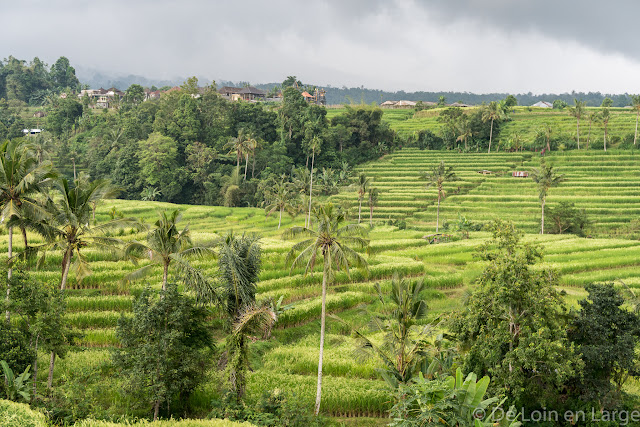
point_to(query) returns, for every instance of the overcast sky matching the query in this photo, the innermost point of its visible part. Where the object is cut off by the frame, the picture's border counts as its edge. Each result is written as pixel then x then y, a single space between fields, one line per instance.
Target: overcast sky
pixel 460 45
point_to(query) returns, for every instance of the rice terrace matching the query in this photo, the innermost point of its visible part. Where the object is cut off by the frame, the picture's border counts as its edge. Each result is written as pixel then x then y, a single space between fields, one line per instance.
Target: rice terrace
pixel 198 252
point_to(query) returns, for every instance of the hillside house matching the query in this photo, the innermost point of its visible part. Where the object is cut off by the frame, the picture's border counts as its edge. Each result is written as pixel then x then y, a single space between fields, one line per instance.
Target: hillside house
pixel 151 94
pixel 318 97
pixel 102 98
pixel 230 93
pixel 248 93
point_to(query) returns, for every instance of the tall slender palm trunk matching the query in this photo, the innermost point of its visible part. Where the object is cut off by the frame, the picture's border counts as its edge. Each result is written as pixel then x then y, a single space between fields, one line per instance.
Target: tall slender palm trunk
pixel 371 215
pixel 578 132
pixel 280 220
pixel 327 264
pixel 544 200
pixel 313 157
pixel 63 284
pixel 24 237
pixel 9 273
pixel 246 165
pixel 490 136
pixel 359 209
pixel 438 215
pixel 165 275
pixel 635 136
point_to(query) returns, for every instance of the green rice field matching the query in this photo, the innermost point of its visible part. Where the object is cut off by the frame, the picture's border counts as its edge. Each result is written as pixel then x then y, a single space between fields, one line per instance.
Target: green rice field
pixel 525 121
pixel 607 186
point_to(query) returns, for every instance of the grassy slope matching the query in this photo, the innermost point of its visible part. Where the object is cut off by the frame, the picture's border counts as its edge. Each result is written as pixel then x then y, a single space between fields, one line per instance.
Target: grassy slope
pixel 604 184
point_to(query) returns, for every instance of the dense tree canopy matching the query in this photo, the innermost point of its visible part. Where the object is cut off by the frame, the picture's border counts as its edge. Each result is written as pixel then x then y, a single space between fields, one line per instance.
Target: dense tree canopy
pixel 180 147
pixel 513 324
pixel 32 82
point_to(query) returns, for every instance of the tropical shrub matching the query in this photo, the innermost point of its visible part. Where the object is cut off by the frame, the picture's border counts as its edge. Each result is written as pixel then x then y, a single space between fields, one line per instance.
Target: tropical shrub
pixel 606 335
pixel 274 408
pixel 450 401
pixel 163 345
pixel 513 324
pixel 565 218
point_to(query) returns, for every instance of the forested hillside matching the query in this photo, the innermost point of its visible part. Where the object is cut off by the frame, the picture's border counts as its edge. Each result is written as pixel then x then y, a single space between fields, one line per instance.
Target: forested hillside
pixel 32 82
pixel 194 146
pixel 271 251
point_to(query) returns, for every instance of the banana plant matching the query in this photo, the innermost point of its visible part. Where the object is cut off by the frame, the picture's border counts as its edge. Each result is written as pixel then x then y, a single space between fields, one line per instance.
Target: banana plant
pixel 16 385
pixel 453 400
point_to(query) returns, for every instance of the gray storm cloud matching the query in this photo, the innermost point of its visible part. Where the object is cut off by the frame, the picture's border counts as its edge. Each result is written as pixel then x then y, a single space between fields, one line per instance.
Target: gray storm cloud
pixel 472 45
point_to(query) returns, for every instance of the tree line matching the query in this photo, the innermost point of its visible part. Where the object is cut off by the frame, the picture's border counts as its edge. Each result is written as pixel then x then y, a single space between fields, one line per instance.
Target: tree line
pixel 477 129
pixel 193 146
pixel 35 81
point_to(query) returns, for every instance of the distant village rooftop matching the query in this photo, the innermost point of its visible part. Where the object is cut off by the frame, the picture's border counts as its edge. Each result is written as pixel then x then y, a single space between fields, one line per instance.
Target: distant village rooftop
pixel 411 104
pixel 248 93
pixel 543 104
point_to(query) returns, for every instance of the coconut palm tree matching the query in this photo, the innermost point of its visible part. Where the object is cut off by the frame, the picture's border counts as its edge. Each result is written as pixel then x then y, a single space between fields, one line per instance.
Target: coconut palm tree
pixel 328 182
pixel 594 117
pixel 437 177
pixel 300 179
pixel 405 349
pixel 464 130
pixel 252 318
pixel 578 111
pixel 517 141
pixel 239 263
pixel 546 178
pixel 335 242
pixel 362 186
pixel 280 197
pixel 314 146
pixel 230 190
pixel 255 147
pixel 373 201
pixel 167 244
pixel 67 228
pixel 605 115
pixel 41 145
pixel 544 133
pixel 344 173
pixel 636 106
pixel 250 146
pixel 240 146
pixel 22 178
pixel 492 112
